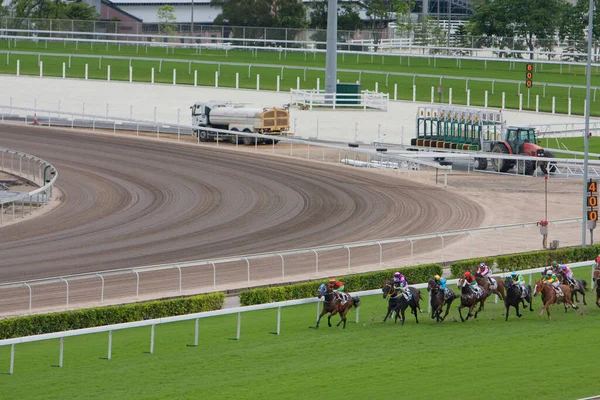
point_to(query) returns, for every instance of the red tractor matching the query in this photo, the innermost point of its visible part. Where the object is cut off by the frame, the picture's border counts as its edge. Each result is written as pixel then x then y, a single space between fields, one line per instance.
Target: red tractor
pixel 521 141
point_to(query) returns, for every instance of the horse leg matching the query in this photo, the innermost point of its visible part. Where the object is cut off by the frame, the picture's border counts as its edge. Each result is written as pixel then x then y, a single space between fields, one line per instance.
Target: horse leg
pixel 389 313
pixel 460 313
pixel 583 295
pixel 518 314
pixel 403 316
pixel 319 319
pixel 507 311
pixel 597 298
pixel 416 316
pixel 342 318
pixel 447 310
pixel 329 319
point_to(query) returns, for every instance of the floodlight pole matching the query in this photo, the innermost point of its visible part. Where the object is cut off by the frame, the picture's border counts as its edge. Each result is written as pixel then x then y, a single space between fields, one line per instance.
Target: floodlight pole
pixel 586 133
pixel 331 56
pixel 192 16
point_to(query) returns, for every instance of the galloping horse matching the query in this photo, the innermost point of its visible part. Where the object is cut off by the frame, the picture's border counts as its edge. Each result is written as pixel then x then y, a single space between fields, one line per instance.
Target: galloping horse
pixel 549 296
pixel 597 280
pixel 333 305
pixel 484 283
pixel 438 299
pixel 470 299
pixel 399 303
pixel 580 286
pixel 513 297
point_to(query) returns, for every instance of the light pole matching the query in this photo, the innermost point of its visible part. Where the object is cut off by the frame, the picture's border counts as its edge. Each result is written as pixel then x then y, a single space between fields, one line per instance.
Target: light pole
pixel 587 122
pixel 331 56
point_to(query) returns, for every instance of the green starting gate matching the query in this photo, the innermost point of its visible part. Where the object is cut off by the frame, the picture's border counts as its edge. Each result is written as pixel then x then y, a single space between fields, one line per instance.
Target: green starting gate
pixel 456 128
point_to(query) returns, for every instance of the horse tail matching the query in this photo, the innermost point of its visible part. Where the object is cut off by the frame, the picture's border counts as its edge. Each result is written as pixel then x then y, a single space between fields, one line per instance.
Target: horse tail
pixel 356 301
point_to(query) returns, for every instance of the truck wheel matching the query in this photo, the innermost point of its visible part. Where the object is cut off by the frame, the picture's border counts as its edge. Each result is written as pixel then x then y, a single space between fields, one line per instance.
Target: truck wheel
pixel 500 165
pixel 248 140
pixel 271 141
pixel 481 163
pixel 235 138
pixel 195 132
pixel 203 136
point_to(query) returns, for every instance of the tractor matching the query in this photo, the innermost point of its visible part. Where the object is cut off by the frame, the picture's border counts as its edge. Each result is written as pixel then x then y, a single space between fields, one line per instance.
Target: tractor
pixel 521 141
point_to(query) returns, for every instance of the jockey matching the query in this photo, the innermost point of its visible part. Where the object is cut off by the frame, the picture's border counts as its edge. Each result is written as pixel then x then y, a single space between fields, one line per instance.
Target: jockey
pixel 337 288
pixel 471 281
pixel 551 279
pixel 441 282
pixel 518 280
pixel 401 284
pixel 568 274
pixel 485 271
pixel 555 266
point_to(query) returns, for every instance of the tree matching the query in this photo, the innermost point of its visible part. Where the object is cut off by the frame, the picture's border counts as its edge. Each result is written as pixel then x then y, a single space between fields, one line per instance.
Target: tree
pixel 261 13
pixel 80 11
pixel 462 41
pixel 534 20
pixel 348 17
pixel 166 19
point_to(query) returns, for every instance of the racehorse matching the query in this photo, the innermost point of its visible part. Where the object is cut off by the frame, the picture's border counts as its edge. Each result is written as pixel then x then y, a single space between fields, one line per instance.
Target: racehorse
pixel 470 299
pixel 333 305
pixel 513 297
pixel 549 296
pixel 484 283
pixel 438 299
pixel 398 303
pixel 580 286
pixel 597 280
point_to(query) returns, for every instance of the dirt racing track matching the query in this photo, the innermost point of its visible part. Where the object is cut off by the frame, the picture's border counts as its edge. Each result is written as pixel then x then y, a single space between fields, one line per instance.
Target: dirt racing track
pixel 131 202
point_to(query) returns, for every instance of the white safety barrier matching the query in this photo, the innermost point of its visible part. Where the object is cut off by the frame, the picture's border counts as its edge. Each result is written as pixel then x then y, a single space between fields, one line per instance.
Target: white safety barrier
pixel 318 98
pixel 198 316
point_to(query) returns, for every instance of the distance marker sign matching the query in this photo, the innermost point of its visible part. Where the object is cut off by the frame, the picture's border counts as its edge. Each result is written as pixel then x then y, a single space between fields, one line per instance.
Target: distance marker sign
pixel 592 200
pixel 529 75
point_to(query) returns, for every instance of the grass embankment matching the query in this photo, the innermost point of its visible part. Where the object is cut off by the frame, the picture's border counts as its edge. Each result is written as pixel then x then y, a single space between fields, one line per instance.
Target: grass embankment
pixel 295 63
pixel 513 358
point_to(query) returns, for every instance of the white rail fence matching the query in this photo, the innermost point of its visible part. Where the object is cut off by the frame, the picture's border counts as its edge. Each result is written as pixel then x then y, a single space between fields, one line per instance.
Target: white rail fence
pixel 152 323
pixel 394 47
pixel 33 170
pixel 366 100
pixel 145 282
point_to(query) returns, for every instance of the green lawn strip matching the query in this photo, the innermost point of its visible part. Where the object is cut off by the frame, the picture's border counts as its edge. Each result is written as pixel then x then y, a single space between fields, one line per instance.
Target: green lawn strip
pixel 572 144
pixel 549 73
pixel 262 365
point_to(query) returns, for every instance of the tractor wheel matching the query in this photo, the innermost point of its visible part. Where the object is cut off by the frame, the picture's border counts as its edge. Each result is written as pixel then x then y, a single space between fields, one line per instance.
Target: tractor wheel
pixel 500 165
pixel 525 167
pixel 481 163
pixel 549 166
pixel 248 140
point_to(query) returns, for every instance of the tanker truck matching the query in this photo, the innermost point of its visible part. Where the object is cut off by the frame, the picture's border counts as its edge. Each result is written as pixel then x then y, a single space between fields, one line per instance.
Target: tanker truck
pixel 238 118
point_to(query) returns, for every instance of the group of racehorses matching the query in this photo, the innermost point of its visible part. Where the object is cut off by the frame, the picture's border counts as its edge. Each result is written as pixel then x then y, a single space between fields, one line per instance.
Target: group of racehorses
pixel 470 297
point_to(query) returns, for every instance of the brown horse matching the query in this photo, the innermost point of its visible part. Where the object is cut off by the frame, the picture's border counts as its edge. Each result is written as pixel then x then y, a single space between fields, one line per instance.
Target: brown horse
pixel 549 296
pixel 438 300
pixel 469 299
pixel 576 285
pixel 498 289
pixel 398 303
pixel 333 305
pixel 597 280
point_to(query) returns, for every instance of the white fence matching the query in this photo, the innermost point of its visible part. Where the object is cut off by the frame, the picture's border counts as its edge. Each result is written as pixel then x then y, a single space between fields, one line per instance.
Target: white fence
pixel 367 100
pixel 32 169
pixel 198 316
pixel 146 282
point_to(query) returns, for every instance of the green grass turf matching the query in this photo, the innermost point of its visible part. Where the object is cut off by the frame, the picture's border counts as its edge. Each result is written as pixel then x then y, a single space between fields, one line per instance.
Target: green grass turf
pixel 295 64
pixel 571 144
pixel 483 358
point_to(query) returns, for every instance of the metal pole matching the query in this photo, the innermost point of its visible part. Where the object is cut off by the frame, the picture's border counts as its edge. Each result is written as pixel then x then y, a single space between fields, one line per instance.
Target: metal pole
pixel 587 122
pixel 62 352
pixel 278 320
pixel 12 359
pixel 109 345
pixel 196 331
pixel 331 56
pixel 152 340
pixel 239 326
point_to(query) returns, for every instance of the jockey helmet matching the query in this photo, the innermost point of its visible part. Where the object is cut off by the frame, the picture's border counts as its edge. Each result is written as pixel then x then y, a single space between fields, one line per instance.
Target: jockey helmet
pixel 332 280
pixel 397 275
pixel 564 267
pixel 513 273
pixel 482 265
pixel 467 274
pixel 437 277
pixel 554 263
pixel 549 272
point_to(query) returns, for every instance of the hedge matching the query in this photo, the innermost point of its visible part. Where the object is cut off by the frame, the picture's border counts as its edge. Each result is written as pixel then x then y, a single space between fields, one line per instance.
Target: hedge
pixel 90 317
pixel 352 283
pixel 520 261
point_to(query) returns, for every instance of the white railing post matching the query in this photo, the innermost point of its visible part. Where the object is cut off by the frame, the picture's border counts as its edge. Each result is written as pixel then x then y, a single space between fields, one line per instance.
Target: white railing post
pixel 239 326
pixel 152 76
pixel 282 265
pixel 174 76
pixel 278 79
pixel 469 98
pixel 297 83
pixel 553 104
pixel 450 96
pixel 395 91
pixel 64 70
pixel 414 93
pixel 257 81
pixel 432 95
pixel 61 352
pixel 503 100
pixel 248 265
pixel 18 67
pixel 318 84
pixel 237 80
pixel 41 69
pixel 11 369
pixel 152 339
pixel 376 87
pixel 278 320
pixel 196 331
pixel 569 111
pixel 109 355
pixel 520 101
pixel 348 248
pixel 130 74
pixel 537 103
pixel 108 73
pixel 86 72
pixel 485 104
